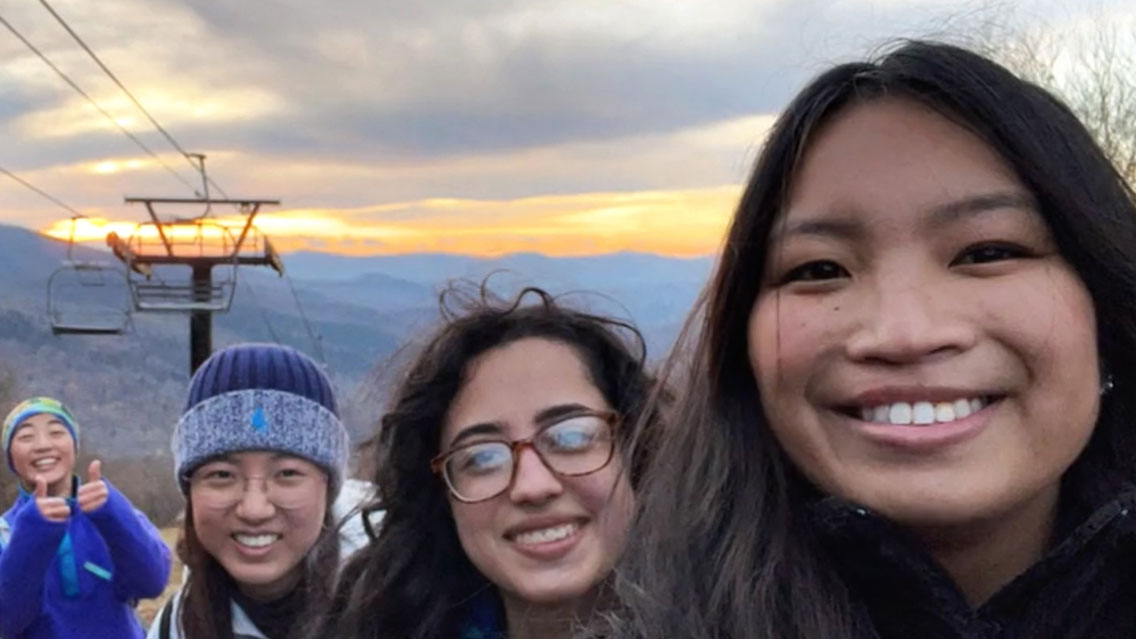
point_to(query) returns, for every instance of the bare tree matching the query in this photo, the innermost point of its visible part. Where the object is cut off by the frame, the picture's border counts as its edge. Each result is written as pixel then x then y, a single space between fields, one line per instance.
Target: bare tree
pixel 1090 64
pixel 9 395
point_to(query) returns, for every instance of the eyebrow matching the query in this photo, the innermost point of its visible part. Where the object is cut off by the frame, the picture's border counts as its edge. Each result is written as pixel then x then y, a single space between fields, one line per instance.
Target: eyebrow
pixel 24 425
pixel 841 227
pixel 968 207
pixel 543 417
pixel 484 428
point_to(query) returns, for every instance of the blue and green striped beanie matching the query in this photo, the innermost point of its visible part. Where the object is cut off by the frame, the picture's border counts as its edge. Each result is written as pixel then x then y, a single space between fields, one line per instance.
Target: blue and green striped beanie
pixel 37 406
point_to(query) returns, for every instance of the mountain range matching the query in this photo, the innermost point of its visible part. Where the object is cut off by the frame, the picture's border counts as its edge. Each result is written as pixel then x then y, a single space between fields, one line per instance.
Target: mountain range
pixel 352 313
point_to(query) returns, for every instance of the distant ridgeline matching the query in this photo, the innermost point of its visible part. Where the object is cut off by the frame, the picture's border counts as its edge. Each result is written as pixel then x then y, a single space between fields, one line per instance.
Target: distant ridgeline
pixel 127 390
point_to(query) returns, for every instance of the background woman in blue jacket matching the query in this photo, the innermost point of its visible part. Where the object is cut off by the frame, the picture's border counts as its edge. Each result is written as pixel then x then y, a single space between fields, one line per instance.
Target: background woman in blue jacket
pixel 74 557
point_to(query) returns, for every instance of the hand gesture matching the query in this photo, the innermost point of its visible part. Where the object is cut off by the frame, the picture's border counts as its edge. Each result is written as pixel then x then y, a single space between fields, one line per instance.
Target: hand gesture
pixel 53 509
pixel 93 494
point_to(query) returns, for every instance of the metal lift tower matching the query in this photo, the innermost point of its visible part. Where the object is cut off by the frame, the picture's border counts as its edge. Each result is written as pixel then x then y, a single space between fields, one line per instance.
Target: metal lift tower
pixel 190 264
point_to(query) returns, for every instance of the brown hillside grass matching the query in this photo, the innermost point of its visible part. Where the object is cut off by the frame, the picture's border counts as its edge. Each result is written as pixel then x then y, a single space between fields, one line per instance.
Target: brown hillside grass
pixel 148 609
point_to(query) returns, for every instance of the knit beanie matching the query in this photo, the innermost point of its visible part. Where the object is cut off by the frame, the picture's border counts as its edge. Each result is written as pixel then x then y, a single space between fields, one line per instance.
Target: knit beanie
pixel 260 397
pixel 31 408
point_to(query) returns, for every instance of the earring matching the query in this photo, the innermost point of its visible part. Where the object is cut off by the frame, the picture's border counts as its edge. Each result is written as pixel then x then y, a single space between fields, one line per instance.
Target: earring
pixel 1107 383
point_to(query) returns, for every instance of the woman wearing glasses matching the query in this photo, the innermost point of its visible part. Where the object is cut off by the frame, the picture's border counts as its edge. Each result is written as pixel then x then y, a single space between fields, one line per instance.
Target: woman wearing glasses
pixel 260 454
pixel 507 497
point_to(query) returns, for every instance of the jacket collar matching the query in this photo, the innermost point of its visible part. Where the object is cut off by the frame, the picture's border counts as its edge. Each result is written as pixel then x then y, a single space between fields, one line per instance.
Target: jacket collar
pixel 901 585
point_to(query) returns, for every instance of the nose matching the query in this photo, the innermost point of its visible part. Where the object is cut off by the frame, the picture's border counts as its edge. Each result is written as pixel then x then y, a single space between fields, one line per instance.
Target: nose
pixel 533 482
pixel 910 319
pixel 41 442
pixel 255 504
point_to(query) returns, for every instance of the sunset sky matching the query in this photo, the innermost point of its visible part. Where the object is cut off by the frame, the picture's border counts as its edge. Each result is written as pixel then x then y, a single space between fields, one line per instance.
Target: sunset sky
pixel 483 127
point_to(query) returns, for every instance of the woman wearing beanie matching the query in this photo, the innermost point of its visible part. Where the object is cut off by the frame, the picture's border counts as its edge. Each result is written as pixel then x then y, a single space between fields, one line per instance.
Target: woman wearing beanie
pixel 260 454
pixel 74 556
pixel 504 472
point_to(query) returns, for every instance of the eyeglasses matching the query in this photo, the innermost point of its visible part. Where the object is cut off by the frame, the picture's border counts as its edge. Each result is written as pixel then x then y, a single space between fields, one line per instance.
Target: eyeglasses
pixel 222 488
pixel 577 444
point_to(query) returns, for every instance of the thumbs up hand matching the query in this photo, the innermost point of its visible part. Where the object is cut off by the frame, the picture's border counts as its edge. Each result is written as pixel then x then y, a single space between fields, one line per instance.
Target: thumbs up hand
pixel 93 494
pixel 54 509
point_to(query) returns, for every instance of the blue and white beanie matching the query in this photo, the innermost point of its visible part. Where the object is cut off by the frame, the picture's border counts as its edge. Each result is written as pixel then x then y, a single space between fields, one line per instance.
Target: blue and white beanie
pixel 260 397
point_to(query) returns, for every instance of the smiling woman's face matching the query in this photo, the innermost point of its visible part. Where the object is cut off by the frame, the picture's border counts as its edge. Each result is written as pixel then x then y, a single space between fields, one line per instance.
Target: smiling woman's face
pixel 547 538
pixel 43 447
pixel 920 346
pixel 259 514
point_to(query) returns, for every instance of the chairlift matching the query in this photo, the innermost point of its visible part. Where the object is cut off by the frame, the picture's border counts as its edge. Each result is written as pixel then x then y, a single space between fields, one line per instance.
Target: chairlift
pixel 87 297
pixel 172 252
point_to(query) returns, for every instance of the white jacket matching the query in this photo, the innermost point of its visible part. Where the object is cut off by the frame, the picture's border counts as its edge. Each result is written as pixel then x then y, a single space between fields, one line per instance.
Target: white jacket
pixel 352 536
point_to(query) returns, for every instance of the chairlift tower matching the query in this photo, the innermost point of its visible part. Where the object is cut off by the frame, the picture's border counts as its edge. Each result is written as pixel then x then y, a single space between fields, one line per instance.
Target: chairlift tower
pixel 158 253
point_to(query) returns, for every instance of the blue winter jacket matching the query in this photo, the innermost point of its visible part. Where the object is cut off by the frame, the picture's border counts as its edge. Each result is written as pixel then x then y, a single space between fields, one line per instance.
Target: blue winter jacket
pixel 79 578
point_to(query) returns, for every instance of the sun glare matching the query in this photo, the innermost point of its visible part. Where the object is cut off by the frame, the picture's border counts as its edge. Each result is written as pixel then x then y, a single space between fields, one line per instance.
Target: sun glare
pixel 680 223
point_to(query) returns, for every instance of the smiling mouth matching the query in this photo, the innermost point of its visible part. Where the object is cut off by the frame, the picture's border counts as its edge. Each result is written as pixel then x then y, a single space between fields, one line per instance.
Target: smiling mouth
pixel 256 541
pixel 921 413
pixel 546 535
pixel 46 463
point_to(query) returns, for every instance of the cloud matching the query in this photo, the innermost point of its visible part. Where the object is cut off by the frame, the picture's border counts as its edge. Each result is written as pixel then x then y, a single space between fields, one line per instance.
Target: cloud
pixel 359 103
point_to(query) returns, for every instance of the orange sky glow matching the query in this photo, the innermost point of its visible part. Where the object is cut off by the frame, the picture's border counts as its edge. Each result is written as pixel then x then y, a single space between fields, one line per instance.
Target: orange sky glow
pixel 680 223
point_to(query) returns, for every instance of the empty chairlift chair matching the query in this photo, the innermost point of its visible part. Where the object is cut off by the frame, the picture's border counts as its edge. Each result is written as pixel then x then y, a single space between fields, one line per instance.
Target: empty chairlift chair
pixel 88 297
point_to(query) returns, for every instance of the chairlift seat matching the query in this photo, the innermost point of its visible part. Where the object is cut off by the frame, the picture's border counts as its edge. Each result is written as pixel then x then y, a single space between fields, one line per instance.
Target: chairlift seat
pixel 99 323
pixel 88 298
pixel 164 296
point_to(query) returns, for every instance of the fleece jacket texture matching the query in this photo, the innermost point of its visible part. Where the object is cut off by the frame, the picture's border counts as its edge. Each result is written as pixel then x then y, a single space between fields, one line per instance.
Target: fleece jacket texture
pixel 80 578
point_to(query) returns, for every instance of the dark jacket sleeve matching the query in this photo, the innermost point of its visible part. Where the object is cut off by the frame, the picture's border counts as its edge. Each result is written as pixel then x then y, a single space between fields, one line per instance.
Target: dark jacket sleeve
pixel 24 564
pixel 141 559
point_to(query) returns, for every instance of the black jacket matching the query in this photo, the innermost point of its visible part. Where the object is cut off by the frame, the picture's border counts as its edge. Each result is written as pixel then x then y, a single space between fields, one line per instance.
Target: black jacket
pixel 1084 588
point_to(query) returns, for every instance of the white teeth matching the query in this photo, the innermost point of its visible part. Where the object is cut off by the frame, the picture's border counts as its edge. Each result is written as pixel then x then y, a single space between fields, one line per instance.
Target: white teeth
pixel 961 408
pixel 921 413
pixel 546 535
pixel 255 541
pixel 45 463
pixel 944 412
pixel 900 413
pixel 880 414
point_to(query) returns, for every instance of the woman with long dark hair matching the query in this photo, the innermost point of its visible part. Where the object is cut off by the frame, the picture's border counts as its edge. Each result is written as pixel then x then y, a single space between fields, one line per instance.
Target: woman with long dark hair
pixel 260 454
pixel 502 475
pixel 909 394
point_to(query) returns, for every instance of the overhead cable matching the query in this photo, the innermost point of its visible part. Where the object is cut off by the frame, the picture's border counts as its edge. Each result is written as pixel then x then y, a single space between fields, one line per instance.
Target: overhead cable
pixel 263 313
pixel 316 341
pixel 101 110
pixel 40 191
pixel 130 95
